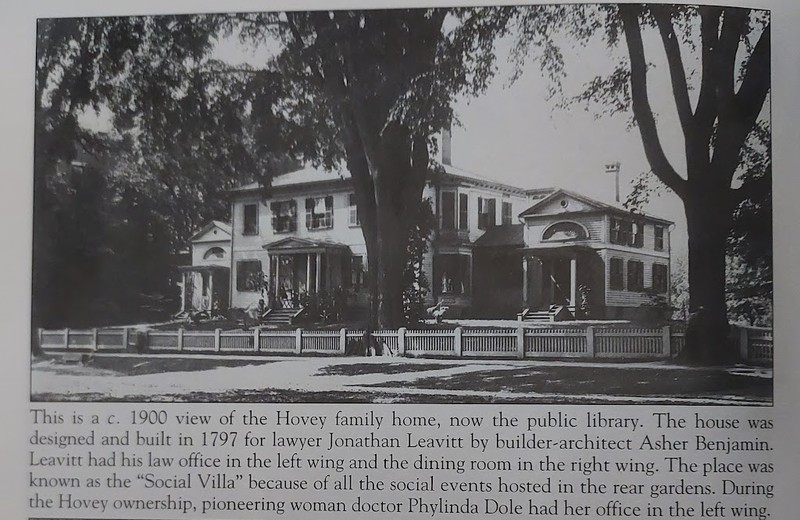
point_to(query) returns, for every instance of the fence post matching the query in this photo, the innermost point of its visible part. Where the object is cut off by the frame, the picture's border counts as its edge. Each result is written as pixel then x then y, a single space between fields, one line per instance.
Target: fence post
pixel 66 338
pixel 298 342
pixel 520 342
pixel 256 339
pixel 342 340
pixel 125 338
pixel 590 341
pixel 94 339
pixel 744 350
pixel 180 339
pixel 666 339
pixel 401 341
pixel 457 342
pixel 217 339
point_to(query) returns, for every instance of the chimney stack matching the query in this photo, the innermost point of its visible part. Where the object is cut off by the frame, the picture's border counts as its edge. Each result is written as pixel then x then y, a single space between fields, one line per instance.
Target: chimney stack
pixel 613 168
pixel 447 147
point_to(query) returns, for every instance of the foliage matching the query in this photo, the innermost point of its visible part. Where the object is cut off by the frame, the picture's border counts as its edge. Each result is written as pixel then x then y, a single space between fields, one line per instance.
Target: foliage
pixel 732 85
pixel 679 290
pixel 325 307
pixel 369 89
pixel 107 233
pixel 415 282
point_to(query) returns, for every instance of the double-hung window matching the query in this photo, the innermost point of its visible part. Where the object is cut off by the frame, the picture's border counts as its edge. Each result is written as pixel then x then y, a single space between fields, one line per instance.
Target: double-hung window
pixel 284 216
pixel 487 210
pixel 616 276
pixel 463 211
pixel 660 278
pixel 635 276
pixel 354 219
pixel 659 238
pixel 448 210
pixel 507 218
pixel 319 212
pixel 250 226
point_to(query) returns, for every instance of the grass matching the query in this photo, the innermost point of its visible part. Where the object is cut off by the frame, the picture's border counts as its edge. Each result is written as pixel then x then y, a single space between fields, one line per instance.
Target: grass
pixel 132 366
pixel 607 380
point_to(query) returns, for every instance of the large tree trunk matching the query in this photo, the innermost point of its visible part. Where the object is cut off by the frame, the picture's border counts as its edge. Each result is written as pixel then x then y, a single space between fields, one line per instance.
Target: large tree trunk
pixel 388 189
pixel 708 219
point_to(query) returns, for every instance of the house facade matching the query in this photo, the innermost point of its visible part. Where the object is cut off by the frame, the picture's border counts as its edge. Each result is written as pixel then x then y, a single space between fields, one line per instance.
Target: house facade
pixel 204 283
pixel 496 249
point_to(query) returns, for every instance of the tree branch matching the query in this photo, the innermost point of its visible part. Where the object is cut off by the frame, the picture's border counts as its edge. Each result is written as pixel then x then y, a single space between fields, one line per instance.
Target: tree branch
pixel 756 82
pixel 642 110
pixel 676 71
pixel 706 112
pixel 733 25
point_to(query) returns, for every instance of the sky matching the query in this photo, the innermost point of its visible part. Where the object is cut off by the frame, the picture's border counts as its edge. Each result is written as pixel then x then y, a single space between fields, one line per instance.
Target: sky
pixel 514 134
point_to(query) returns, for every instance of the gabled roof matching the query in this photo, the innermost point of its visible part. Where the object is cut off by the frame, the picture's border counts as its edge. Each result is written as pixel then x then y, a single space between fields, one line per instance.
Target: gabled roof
pixel 511 235
pixel 222 226
pixel 594 204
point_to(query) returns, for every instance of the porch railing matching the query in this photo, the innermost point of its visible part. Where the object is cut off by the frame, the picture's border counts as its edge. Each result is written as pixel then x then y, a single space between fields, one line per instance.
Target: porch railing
pixel 618 342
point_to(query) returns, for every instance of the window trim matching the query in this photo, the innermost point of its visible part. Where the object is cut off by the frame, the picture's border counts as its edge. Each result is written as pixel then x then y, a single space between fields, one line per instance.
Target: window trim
pixel 292 218
pixel 241 283
pixel 352 207
pixel 487 219
pixel 463 211
pixel 255 230
pixel 507 204
pixel 611 278
pixel 621 232
pixel 449 216
pixel 665 288
pixel 326 218
pixel 659 242
pixel 635 285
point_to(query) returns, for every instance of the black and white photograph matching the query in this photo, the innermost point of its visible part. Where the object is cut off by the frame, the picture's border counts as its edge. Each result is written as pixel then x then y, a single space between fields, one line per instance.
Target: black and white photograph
pixel 535 204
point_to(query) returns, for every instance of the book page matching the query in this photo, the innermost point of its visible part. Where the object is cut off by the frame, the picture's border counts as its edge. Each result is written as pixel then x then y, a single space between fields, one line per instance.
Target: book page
pixel 306 260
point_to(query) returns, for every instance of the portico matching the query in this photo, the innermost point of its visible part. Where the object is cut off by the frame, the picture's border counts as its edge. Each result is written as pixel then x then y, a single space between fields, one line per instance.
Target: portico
pixel 558 276
pixel 299 267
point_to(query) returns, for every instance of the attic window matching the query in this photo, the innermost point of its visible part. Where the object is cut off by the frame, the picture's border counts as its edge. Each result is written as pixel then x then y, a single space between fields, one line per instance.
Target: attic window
pixel 564 203
pixel 214 253
pixel 564 231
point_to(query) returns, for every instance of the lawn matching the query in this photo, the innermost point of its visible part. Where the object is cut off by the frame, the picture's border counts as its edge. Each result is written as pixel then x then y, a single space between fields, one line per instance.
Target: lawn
pixel 399 380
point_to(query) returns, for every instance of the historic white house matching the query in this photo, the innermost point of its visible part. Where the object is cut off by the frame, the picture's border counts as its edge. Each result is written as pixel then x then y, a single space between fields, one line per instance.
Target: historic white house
pixel 498 250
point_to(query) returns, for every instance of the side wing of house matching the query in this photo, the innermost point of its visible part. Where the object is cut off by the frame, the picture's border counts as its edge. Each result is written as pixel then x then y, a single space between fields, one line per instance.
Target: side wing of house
pixel 598 260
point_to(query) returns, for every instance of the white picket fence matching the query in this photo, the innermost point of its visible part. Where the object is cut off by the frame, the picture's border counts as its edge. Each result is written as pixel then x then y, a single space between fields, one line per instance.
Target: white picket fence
pixel 613 341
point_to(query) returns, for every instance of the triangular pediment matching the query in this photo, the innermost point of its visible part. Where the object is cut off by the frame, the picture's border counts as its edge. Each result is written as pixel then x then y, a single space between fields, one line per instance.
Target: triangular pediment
pixel 562 201
pixel 291 243
pixel 212 232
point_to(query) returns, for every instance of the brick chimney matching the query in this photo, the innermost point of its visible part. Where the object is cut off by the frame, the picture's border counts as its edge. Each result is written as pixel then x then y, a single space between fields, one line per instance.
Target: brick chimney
pixel 447 147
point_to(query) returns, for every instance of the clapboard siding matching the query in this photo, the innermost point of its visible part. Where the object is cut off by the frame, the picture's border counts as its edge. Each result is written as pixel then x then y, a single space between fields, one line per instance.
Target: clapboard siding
pixel 626 298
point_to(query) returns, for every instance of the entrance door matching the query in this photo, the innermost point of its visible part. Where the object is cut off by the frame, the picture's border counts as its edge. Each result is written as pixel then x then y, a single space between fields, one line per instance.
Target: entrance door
pixel 561 281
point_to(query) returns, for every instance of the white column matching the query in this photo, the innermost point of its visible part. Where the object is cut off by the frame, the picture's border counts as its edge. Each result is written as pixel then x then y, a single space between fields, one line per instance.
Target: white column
pixel 319 271
pixel 308 273
pixel 277 277
pixel 573 278
pixel 525 281
pixel 210 290
pixel 183 291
